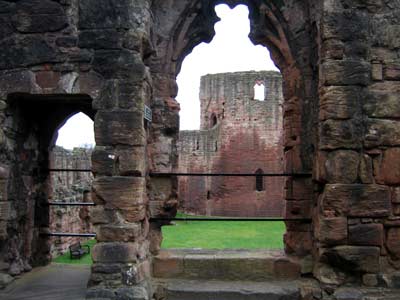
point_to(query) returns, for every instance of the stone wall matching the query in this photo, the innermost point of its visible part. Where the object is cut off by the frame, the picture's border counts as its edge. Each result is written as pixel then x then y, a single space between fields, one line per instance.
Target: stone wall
pixel 247 136
pixel 69 187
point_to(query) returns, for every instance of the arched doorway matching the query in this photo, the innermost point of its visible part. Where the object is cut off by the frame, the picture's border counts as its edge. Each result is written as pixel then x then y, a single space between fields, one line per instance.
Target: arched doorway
pixel 36 120
pixel 269 29
pixel 70 183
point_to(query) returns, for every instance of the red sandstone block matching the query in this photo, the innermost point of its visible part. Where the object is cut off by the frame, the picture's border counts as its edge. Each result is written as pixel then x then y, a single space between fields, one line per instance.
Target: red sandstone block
pixel 396 195
pixel 339 102
pixel 167 265
pixel 342 166
pixel 118 233
pixel 298 188
pixel 131 161
pixel 356 200
pixel 298 209
pixel 120 192
pixel 286 269
pixel 134 213
pixel 331 231
pixel 389 169
pixel 115 252
pixel 393 242
pixel 103 160
pixel 119 128
pixel 298 243
pixel 47 79
pixel 292 160
pixel 366 235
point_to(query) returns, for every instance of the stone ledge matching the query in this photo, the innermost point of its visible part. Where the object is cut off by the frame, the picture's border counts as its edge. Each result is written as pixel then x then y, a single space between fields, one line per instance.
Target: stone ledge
pixel 253 265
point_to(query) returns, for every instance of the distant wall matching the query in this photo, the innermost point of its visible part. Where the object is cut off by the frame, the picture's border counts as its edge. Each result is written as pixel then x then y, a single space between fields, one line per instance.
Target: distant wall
pixel 238 135
pixel 69 187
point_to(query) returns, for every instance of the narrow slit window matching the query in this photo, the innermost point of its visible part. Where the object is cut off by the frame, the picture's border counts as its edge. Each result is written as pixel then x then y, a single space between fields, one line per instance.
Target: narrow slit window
pixel 214 120
pixel 259 180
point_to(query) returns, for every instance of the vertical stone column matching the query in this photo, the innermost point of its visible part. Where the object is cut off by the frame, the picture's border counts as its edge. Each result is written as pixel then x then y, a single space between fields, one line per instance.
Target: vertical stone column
pixel 357 151
pixel 118 34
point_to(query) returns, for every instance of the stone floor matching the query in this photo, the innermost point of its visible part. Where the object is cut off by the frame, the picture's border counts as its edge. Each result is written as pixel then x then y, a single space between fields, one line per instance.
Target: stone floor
pixel 54 282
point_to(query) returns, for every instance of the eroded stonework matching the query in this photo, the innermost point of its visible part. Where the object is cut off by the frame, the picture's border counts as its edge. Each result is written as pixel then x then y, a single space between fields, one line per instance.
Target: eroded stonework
pixel 238 134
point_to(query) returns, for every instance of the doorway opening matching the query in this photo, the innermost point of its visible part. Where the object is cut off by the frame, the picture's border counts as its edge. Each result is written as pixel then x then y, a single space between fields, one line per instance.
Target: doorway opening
pixel 32 129
pixel 72 151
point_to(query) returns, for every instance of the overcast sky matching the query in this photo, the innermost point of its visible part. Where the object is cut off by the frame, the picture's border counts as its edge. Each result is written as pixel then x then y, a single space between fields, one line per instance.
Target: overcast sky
pixel 229 51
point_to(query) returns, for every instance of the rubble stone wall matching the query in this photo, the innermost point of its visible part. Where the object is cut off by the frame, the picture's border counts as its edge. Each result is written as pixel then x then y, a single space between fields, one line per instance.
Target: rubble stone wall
pixel 247 137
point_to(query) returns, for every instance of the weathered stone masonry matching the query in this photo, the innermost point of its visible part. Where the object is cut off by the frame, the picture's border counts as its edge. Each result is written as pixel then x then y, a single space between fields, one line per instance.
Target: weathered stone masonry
pixel 340 69
pixel 238 134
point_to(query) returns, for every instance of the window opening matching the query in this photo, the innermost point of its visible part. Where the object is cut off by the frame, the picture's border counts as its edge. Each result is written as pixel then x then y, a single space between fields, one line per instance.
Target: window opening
pixel 214 120
pixel 76 132
pixel 259 180
pixel 259 91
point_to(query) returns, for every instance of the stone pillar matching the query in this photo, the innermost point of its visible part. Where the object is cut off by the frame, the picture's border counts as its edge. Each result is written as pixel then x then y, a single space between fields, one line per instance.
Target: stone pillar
pixel 358 155
pixel 118 33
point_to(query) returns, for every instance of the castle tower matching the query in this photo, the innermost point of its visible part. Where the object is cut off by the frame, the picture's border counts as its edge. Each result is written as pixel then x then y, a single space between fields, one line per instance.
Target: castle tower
pixel 240 132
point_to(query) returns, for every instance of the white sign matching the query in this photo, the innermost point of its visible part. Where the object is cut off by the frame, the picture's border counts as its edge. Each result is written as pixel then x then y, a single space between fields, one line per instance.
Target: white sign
pixel 148 113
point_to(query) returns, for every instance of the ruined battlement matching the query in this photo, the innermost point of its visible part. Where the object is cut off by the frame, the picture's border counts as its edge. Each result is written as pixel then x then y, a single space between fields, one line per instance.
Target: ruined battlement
pixel 239 134
pixel 231 96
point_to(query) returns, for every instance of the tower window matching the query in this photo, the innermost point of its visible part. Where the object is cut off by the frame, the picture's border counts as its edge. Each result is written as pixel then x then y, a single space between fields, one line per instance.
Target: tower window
pixel 259 180
pixel 213 121
pixel 259 91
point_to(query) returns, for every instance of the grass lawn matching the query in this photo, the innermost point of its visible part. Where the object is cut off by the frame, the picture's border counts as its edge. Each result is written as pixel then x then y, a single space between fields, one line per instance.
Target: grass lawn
pixel 208 235
pixel 223 235
pixel 84 260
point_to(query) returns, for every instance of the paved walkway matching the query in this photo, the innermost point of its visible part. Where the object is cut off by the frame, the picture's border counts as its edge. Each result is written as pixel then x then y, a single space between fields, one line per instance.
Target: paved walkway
pixel 54 282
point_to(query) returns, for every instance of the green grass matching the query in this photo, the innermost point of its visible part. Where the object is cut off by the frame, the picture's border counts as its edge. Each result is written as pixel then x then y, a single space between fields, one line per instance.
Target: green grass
pixel 223 235
pixel 208 235
pixel 84 260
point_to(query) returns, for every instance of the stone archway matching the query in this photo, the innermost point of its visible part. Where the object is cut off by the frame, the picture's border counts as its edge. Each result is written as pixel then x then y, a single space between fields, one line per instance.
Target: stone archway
pixel 35 120
pixel 269 28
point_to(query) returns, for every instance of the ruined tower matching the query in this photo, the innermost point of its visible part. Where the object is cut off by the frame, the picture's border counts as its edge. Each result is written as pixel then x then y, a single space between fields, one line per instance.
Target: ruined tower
pixel 238 134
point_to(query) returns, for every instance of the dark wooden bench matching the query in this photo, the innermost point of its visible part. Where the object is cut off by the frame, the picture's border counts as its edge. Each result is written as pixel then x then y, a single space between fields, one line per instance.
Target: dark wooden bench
pixel 77 250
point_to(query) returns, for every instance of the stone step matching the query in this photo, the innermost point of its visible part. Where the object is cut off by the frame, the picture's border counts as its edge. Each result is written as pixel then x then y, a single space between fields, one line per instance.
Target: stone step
pixel 228 290
pixel 247 265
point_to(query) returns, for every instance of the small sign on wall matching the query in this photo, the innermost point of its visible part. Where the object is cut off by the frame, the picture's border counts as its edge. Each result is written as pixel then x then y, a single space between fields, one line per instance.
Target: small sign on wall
pixel 148 113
